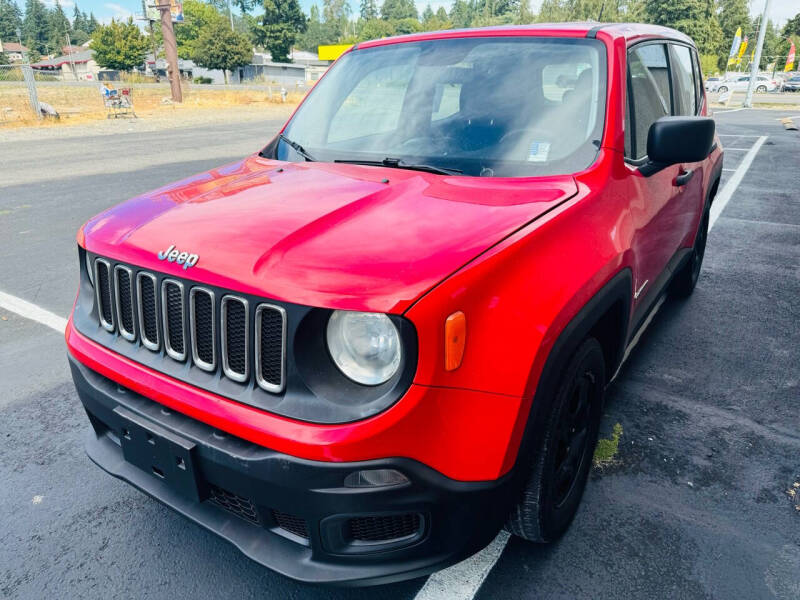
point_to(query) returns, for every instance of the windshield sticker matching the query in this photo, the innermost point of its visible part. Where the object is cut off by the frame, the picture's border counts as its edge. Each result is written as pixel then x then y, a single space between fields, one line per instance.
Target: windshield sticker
pixel 538 151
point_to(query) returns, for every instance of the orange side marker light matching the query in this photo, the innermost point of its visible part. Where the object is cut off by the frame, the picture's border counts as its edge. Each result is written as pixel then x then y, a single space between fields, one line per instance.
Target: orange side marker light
pixel 455 339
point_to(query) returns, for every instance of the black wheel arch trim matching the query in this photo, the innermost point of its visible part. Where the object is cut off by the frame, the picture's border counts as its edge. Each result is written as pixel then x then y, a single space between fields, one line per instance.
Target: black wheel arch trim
pixel 618 289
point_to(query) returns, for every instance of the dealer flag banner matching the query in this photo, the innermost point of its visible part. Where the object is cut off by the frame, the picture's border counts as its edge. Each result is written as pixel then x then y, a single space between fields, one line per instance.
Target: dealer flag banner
pixel 789 60
pixel 735 46
pixel 742 48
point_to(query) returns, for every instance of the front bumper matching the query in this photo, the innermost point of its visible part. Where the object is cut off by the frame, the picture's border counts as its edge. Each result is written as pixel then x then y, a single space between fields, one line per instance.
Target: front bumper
pixel 289 514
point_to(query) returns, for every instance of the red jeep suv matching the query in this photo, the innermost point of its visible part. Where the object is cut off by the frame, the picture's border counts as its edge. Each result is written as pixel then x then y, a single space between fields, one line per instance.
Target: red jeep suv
pixel 361 352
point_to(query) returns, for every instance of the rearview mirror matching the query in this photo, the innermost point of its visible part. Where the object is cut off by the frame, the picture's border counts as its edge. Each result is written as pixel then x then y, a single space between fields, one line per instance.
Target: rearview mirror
pixel 673 140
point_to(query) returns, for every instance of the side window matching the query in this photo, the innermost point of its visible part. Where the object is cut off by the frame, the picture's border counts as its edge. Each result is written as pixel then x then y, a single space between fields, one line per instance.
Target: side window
pixel 649 96
pixel 685 94
pixel 373 106
pixel 698 80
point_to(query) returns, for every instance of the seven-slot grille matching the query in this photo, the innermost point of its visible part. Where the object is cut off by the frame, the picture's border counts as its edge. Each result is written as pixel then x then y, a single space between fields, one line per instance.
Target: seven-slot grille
pixel 189 326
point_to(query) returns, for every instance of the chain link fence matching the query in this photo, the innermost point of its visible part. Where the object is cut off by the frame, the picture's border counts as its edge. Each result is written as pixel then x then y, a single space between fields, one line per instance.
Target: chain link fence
pixel 18 95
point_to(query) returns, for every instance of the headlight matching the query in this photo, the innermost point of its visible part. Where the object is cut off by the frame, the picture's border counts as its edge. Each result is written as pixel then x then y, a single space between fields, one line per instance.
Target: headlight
pixel 365 346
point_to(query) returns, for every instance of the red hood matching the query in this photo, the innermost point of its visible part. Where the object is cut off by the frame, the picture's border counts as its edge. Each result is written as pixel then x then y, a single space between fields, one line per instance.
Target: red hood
pixel 320 234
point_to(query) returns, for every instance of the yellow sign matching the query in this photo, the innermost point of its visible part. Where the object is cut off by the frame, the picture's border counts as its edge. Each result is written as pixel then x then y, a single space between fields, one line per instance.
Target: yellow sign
pixel 333 51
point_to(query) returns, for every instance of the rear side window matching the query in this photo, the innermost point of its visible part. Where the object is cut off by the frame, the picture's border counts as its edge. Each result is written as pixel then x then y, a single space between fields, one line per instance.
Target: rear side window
pixel 649 95
pixel 698 80
pixel 685 94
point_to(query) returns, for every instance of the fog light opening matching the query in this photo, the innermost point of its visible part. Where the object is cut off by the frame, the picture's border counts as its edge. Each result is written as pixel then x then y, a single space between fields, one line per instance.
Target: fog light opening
pixel 374 478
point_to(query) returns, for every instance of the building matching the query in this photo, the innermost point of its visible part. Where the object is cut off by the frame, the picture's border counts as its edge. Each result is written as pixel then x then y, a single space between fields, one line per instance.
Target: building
pixel 14 52
pixel 79 66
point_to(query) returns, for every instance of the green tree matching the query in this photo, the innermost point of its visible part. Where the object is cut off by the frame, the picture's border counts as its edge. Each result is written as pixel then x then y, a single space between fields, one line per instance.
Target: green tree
pixel 280 24
pixel 91 23
pixel 58 28
pixel 10 20
pixel 687 16
pixel 36 27
pixel 316 34
pixel 3 58
pixel 336 15
pixel 220 48
pixel 525 15
pixel 398 9
pixel 119 45
pixel 368 9
pixel 461 14
pixel 198 17
pixel 375 29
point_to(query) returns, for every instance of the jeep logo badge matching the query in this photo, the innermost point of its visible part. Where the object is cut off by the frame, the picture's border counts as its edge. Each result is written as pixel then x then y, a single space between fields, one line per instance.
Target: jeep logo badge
pixel 172 254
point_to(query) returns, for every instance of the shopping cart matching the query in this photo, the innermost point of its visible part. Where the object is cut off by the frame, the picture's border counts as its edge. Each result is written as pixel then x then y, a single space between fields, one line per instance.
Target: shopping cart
pixel 118 102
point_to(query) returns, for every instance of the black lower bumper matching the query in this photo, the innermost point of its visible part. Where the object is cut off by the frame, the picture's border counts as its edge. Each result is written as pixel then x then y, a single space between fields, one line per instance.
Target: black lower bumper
pixel 292 515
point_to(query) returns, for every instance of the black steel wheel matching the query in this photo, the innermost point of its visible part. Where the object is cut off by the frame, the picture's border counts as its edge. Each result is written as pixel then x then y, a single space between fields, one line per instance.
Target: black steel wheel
pixel 563 456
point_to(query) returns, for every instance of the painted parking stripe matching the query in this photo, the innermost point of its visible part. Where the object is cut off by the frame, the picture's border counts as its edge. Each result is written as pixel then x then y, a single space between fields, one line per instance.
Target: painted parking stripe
pixel 30 311
pixel 461 581
pixel 724 196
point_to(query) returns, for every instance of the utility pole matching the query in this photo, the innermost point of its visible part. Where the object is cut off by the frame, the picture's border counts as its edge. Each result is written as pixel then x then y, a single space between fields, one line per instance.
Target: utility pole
pixel 230 14
pixel 762 30
pixel 19 39
pixel 171 50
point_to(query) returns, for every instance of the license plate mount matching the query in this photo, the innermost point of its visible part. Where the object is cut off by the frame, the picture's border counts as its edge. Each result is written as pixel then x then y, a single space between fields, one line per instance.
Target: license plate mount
pixel 160 452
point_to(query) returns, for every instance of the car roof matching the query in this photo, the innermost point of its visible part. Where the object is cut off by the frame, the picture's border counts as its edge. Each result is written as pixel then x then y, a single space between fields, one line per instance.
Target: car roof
pixel 631 32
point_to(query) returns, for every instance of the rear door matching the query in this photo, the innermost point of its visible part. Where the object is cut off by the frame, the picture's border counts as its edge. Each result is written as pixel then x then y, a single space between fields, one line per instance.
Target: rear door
pixel 656 212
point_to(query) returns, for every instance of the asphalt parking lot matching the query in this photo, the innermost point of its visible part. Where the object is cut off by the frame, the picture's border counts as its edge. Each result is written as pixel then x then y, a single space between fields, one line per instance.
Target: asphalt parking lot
pixel 695 504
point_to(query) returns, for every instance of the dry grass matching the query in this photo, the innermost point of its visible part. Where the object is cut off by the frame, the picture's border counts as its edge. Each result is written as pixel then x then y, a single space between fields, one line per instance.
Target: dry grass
pixel 79 104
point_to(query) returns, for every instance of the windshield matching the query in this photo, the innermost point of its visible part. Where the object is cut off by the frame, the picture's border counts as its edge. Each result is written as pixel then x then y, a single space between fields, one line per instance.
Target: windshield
pixel 503 107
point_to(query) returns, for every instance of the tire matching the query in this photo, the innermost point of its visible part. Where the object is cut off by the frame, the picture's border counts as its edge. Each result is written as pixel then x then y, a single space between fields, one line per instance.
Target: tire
pixel 556 477
pixel 685 279
pixel 722 89
pixel 761 89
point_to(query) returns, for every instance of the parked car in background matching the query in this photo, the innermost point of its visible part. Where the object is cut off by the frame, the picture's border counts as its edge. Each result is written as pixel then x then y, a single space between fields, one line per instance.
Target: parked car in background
pixel 792 84
pixel 739 84
pixel 711 82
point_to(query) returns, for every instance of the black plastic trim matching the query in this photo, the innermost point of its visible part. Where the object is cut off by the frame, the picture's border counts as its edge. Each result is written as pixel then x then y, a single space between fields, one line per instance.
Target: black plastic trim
pixel 459 517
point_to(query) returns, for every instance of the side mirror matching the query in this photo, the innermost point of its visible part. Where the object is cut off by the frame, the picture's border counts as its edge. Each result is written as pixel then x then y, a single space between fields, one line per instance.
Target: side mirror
pixel 673 140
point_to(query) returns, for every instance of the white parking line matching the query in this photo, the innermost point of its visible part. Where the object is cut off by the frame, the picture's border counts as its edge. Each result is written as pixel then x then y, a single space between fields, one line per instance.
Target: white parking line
pixel 724 196
pixel 30 311
pixel 722 112
pixel 737 135
pixel 462 580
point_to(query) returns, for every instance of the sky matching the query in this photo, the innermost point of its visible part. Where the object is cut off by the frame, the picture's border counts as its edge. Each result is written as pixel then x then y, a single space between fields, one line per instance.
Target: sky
pixel 780 10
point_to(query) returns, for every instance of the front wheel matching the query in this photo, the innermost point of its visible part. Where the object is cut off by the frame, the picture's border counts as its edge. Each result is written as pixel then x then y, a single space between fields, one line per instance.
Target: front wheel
pixel 761 89
pixel 722 89
pixel 559 468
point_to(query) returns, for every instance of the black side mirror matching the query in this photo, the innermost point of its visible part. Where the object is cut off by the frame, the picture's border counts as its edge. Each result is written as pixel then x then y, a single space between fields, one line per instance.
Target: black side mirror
pixel 673 140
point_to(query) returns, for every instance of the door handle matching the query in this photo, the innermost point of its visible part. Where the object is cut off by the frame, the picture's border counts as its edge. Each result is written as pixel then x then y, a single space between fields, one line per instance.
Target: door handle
pixel 684 177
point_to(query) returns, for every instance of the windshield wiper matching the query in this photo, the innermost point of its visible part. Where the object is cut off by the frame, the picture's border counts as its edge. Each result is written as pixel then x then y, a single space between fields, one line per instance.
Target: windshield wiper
pixel 297 148
pixel 398 163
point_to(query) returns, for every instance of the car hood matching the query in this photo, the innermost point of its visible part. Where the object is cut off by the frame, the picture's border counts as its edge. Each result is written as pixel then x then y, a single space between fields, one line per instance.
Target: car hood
pixel 321 234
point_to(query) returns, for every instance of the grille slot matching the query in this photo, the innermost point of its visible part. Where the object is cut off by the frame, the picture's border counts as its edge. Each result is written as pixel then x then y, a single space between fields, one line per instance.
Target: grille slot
pixel 172 312
pixel 270 347
pixel 102 278
pixel 190 322
pixel 233 503
pixel 291 523
pixel 235 333
pixel 203 328
pixel 123 290
pixel 147 310
pixel 384 528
